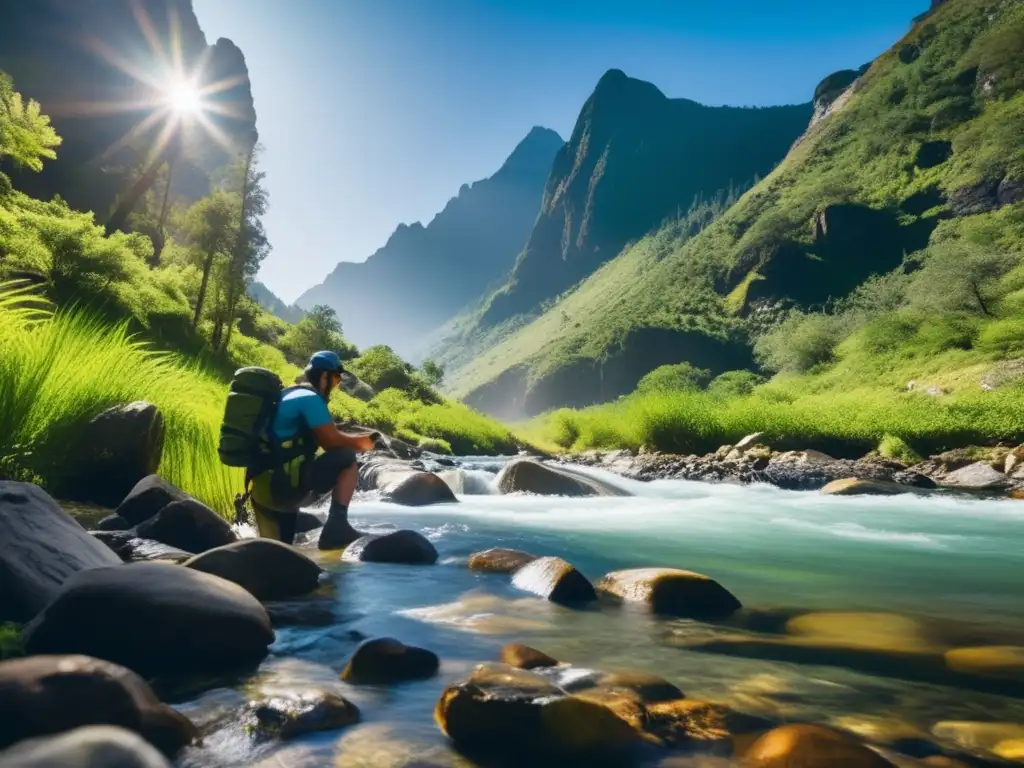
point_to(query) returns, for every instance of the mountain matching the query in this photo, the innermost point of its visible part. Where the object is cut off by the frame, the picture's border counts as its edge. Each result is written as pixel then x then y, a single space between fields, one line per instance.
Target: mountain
pixel 922 147
pixel 635 158
pixel 424 275
pixel 97 68
pixel 266 298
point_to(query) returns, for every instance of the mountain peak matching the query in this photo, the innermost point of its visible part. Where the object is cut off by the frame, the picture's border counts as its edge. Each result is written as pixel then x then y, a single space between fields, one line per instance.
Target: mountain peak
pixel 616 84
pixel 538 147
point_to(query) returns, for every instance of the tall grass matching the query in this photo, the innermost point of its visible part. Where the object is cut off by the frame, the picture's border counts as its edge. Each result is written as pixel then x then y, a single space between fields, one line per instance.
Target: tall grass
pixel 845 424
pixel 58 371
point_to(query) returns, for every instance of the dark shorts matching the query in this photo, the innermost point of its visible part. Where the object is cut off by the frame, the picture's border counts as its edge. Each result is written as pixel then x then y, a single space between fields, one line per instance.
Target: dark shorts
pixel 323 474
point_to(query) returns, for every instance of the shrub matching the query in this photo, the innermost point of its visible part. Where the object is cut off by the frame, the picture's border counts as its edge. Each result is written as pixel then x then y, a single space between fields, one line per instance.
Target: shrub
pixel 435 445
pixel 893 447
pixel 674 378
pixel 800 343
pixel 734 384
pixel 1003 337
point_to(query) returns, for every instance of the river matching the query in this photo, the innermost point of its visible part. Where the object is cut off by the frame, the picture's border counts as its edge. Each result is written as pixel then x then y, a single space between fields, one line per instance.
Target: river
pixel 930 557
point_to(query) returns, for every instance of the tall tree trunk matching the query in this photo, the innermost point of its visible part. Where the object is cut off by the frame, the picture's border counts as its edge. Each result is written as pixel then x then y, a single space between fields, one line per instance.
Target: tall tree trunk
pixel 161 241
pixel 120 216
pixel 207 266
pixel 235 278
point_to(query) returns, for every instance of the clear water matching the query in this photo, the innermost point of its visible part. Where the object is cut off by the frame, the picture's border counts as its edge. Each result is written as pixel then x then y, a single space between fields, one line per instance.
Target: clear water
pixel 936 556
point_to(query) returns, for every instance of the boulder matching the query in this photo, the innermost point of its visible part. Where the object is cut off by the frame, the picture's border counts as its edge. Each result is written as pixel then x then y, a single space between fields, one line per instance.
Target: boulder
pixel 671 591
pixel 500 711
pixel 131 549
pixel 288 717
pixel 694 723
pixel 1002 662
pixel 44 695
pixel 155 618
pixel 525 657
pixel 530 476
pixel 267 569
pixel 149 496
pixel 189 525
pixel 384 661
pixel 124 444
pixel 810 746
pixel 556 580
pixel 979 476
pixel 402 483
pixel 41 546
pixel 406 547
pixel 94 746
pixel 853 486
pixel 113 523
pixel 499 560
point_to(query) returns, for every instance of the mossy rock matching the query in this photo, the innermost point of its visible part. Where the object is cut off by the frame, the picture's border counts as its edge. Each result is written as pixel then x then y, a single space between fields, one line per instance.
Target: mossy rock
pixel 288 718
pixel 498 560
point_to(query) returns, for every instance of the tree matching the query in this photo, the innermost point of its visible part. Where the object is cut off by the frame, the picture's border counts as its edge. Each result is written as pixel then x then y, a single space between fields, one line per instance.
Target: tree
pixel 433 372
pixel 318 330
pixel 26 136
pixel 211 227
pixel 960 277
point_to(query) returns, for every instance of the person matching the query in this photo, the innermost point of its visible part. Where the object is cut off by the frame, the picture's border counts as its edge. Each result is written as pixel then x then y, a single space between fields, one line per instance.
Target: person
pixel 303 424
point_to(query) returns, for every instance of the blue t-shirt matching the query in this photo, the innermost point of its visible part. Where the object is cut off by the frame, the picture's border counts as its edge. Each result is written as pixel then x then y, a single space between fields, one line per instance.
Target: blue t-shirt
pixel 299 410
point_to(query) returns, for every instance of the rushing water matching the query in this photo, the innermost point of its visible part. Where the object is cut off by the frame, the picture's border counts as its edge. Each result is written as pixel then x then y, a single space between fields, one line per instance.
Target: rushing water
pixel 934 556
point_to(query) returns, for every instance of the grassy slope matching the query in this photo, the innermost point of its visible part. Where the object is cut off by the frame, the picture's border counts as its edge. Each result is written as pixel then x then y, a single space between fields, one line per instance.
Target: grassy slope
pixel 863 153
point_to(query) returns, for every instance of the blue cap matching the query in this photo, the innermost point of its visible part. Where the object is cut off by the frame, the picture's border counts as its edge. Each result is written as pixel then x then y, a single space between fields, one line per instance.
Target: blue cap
pixel 326 360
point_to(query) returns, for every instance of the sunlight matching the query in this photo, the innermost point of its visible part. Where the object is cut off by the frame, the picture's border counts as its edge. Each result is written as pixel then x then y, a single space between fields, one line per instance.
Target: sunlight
pixel 185 99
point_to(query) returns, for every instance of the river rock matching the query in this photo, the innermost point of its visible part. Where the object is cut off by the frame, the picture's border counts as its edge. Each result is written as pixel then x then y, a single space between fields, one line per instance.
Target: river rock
pixel 155 618
pixel 529 476
pixel 406 547
pixel 978 476
pixel 267 569
pixel 113 523
pixel 671 591
pixel 402 483
pixel 288 717
pixel 43 695
pixel 1005 662
pixel 384 661
pixel 122 445
pixel 525 657
pixel 501 711
pixel 556 580
pixel 984 737
pixel 94 746
pixel 853 486
pixel 149 496
pixel 499 560
pixel 41 546
pixel 131 549
pixel 810 746
pixel 643 686
pixel 694 723
pixel 189 525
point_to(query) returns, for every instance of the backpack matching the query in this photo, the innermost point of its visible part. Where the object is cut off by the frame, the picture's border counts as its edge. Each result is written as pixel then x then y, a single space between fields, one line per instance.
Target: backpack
pixel 246 439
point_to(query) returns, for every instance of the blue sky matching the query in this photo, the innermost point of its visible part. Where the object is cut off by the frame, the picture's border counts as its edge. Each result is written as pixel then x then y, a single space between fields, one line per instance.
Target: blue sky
pixel 374 112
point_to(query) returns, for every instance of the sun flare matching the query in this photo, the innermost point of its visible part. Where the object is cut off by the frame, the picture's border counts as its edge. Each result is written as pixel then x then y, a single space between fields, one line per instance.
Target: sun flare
pixel 185 99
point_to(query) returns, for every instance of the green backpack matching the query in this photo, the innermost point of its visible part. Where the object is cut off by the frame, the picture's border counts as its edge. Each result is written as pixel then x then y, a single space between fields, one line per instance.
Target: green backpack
pixel 246 439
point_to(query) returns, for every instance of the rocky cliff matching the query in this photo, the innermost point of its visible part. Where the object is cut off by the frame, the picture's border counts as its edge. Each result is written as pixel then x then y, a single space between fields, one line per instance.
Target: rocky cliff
pixel 97 67
pixel 635 159
pixel 425 274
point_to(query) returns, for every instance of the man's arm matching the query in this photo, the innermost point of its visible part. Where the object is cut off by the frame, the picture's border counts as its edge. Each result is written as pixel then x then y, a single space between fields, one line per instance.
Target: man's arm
pixel 329 436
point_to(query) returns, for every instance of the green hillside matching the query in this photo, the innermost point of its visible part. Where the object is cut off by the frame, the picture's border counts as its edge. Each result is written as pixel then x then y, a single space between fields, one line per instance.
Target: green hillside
pixel 916 164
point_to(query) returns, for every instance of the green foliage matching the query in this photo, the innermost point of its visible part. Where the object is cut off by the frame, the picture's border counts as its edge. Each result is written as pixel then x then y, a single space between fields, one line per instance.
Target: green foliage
pixel 674 378
pixel 10 641
pixel 319 330
pixel 382 369
pixel 435 445
pixel 800 343
pixel 26 136
pixel 894 447
pixel 433 372
pixel 960 277
pixel 57 373
pixel 734 384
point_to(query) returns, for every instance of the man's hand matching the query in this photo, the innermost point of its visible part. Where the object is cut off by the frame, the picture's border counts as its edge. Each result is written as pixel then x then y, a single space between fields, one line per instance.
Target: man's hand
pixel 365 443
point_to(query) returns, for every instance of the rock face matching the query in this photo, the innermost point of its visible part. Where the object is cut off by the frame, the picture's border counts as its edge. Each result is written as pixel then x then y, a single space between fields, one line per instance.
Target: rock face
pixel 290 717
pixel 189 525
pixel 96 746
pixel 41 547
pixel 499 560
pixel 476 237
pixel 124 445
pixel 812 746
pixel 147 617
pixel 385 661
pixel 267 569
pixel 608 184
pixel 556 580
pixel 406 547
pixel 529 476
pixel 401 483
pixel 41 48
pixel 149 496
pixel 671 591
pixel 43 695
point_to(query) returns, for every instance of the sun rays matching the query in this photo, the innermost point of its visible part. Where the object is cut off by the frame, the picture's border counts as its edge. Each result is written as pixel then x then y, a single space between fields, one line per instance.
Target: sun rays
pixel 176 100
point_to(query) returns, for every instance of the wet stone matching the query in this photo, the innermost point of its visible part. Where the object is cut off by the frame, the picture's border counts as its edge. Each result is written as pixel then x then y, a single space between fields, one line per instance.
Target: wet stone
pixel 287 718
pixel 384 661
